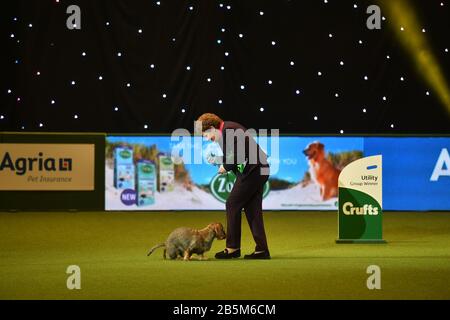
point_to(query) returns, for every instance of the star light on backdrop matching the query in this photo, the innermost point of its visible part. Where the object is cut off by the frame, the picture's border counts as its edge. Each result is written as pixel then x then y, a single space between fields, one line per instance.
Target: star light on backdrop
pixel 153 66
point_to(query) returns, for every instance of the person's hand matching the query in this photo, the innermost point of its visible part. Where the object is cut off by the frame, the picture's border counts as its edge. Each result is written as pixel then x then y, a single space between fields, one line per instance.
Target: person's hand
pixel 211 159
pixel 222 170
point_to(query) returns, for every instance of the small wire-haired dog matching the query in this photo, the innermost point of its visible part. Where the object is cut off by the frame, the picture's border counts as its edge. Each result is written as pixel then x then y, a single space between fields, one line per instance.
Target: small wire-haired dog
pixel 183 242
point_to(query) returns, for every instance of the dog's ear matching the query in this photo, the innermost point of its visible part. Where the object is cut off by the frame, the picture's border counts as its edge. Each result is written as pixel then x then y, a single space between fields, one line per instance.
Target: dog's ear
pixel 321 145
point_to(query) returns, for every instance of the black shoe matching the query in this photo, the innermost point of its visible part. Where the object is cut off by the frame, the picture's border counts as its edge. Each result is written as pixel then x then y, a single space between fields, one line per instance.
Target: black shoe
pixel 225 255
pixel 259 255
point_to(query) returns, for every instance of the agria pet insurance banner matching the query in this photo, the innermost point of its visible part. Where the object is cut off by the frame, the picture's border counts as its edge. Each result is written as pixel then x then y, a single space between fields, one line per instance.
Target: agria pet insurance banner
pixel 39 166
pixel 150 173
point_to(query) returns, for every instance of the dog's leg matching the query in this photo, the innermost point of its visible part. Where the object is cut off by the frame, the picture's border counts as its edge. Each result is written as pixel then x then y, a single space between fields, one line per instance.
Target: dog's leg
pixel 187 256
pixel 164 254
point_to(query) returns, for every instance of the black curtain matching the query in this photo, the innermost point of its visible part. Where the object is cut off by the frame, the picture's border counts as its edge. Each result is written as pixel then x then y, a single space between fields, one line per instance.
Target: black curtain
pixel 128 54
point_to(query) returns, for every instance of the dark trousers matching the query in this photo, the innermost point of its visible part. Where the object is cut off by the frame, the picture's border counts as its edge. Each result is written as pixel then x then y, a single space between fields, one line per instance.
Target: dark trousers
pixel 247 194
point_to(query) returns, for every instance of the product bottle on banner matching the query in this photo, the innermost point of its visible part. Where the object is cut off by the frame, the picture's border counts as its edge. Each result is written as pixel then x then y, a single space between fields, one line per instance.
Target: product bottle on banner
pixel 123 168
pixel 166 174
pixel 145 183
pixel 360 202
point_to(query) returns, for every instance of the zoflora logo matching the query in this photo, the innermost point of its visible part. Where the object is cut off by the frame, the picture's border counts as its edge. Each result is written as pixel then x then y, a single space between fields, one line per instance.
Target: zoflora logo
pixel 147 168
pixel 167 161
pixel 222 184
pixel 23 165
pixel 349 209
pixel 125 154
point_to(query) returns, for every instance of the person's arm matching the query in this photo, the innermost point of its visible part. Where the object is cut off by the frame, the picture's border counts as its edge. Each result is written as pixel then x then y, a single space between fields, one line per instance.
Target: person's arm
pixel 229 159
pixel 229 166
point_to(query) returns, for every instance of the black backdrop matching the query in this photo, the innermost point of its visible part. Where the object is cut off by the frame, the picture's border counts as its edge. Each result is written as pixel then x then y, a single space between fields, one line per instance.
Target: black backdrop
pixel 42 58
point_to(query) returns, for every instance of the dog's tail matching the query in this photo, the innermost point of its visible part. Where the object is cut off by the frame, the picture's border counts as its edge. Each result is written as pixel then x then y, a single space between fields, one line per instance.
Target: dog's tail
pixel 156 247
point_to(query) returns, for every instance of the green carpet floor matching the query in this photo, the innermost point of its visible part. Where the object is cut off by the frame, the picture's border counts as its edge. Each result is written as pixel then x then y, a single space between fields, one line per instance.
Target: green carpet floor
pixel 111 250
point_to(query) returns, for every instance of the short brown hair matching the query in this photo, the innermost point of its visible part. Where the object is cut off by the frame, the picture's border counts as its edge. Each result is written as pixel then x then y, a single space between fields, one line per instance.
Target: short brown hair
pixel 210 120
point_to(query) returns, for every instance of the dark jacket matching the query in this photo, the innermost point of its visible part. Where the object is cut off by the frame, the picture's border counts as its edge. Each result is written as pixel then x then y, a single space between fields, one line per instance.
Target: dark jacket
pixel 244 149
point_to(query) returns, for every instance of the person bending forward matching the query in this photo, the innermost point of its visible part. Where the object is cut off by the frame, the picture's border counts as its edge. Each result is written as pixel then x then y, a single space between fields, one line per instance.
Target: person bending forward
pixel 243 156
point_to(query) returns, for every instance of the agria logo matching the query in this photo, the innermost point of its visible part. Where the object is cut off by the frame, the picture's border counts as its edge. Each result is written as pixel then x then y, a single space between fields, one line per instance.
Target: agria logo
pixel 23 165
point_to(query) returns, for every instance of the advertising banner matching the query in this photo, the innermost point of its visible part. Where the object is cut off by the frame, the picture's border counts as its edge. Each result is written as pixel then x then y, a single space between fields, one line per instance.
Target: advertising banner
pixel 304 172
pixel 416 171
pixel 33 166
